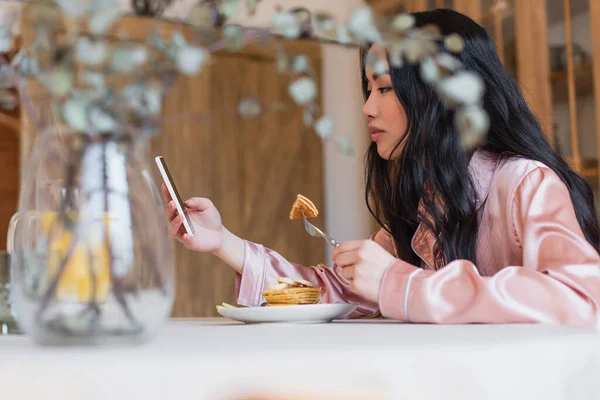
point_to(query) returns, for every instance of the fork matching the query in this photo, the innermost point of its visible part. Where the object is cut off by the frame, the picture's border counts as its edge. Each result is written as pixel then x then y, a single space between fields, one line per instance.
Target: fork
pixel 316 232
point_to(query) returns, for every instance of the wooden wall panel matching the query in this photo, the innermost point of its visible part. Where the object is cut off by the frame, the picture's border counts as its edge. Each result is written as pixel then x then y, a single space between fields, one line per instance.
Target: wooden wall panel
pixel 281 158
pixel 416 5
pixel 251 169
pixel 188 148
pixel 532 44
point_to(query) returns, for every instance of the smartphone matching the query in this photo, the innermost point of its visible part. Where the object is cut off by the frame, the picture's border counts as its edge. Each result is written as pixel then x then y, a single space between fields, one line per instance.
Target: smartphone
pixel 168 179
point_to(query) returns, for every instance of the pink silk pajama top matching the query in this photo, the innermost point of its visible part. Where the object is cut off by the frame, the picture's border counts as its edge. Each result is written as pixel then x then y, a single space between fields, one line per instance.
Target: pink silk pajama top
pixel 533 261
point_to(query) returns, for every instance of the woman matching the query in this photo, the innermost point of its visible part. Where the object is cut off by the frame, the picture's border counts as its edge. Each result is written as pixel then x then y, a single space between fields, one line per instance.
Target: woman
pixel 507 233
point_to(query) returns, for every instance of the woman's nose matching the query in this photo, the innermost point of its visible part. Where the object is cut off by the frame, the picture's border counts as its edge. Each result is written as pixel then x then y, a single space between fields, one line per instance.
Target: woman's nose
pixel 370 109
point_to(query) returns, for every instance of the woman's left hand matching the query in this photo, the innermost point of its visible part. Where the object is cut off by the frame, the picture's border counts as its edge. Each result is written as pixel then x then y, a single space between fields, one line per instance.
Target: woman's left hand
pixel 363 263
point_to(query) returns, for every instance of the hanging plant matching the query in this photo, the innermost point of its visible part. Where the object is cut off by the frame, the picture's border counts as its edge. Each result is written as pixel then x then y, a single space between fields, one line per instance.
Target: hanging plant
pixel 154 63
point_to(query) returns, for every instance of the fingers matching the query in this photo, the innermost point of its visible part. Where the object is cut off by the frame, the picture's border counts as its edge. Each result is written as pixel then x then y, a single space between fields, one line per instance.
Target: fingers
pixel 187 240
pixel 346 246
pixel 165 193
pixel 171 211
pixel 198 203
pixel 175 227
pixel 177 230
pixel 348 272
pixel 346 259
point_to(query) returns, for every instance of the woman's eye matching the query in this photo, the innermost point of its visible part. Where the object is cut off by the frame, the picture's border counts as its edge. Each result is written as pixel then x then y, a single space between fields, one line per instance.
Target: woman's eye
pixel 384 89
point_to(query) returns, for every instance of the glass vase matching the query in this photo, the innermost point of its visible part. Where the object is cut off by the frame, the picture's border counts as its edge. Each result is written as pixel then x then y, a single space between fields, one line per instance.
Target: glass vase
pixel 92 262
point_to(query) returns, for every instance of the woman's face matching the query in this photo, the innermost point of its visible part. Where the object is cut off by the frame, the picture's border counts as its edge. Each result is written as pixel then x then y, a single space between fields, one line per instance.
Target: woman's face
pixel 386 116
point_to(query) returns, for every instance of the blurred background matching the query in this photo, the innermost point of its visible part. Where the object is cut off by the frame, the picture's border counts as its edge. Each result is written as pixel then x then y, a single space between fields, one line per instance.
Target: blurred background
pixel 252 168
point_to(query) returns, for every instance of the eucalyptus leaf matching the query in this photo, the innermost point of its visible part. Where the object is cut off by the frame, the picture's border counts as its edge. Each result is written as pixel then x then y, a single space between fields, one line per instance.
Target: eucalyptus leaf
pixel 6 40
pixel 75 8
pixel 126 58
pixel 95 80
pixel 29 66
pixel 90 53
pixel 415 49
pixel 250 107
pixel 234 36
pixel 303 90
pixel 404 22
pixel 178 39
pixel 371 59
pixel 448 62
pixel 462 88
pixel 74 113
pixel 301 63
pixel 190 60
pixel 102 121
pixel 473 123
pixel 430 32
pixel 103 18
pixel 343 35
pixel 283 61
pixel 153 96
pixel 323 22
pixel 396 54
pixel 59 81
pixel 345 145
pixel 362 25
pixel 155 40
pixel 144 99
pixel 287 24
pixel 229 8
pixel 8 101
pixel 308 116
pixel 6 81
pixel 381 67
pixel 454 43
pixel 429 70
pixel 18 58
pixel 202 15
pixel 325 127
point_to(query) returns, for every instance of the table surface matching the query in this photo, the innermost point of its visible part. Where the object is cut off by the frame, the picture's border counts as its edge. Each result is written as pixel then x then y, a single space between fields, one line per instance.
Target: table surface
pixel 368 359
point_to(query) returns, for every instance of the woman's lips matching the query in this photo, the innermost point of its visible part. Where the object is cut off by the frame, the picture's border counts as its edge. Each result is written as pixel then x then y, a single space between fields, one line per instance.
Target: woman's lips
pixel 375 133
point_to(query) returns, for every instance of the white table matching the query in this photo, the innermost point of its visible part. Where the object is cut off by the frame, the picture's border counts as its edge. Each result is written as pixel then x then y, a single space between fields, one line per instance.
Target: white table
pixel 216 358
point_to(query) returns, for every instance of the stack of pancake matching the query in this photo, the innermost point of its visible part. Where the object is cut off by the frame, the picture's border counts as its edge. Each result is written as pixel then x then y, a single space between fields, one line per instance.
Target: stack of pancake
pixel 291 291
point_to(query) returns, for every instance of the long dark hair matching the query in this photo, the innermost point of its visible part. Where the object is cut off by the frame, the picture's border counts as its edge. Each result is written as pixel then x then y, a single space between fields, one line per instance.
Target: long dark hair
pixel 432 169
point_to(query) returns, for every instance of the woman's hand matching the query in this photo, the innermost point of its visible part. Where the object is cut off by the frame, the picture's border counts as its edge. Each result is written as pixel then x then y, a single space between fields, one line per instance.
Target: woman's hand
pixel 205 218
pixel 363 263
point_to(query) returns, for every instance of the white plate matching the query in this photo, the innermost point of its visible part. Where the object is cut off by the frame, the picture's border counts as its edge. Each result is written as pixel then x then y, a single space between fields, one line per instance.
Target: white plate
pixel 309 313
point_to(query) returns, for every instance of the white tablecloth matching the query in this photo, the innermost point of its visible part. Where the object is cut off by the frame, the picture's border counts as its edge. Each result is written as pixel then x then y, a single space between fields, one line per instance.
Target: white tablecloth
pixel 218 359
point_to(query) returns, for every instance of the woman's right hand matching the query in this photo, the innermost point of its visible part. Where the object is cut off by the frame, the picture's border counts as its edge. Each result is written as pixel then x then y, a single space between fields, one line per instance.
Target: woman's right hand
pixel 205 218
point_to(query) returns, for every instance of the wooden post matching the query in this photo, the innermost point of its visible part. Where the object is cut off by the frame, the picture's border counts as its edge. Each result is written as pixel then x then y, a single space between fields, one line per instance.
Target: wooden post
pixel 471 8
pixel 595 24
pixel 498 29
pixel 576 157
pixel 533 65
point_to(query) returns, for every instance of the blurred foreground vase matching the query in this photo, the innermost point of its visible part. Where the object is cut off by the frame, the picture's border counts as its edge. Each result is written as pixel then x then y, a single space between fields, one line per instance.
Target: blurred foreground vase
pixel 7 320
pixel 91 259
